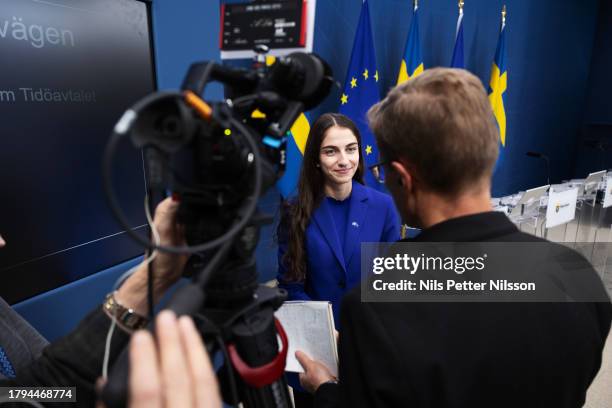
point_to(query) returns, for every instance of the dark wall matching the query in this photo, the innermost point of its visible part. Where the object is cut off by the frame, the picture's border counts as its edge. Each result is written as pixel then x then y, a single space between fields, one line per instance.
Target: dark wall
pixel 598 108
pixel 60 96
pixel 594 144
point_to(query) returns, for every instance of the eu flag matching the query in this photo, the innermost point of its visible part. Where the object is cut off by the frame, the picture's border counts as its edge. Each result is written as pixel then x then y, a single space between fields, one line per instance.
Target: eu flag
pixel 296 141
pixel 412 62
pixel 497 88
pixel 361 89
pixel 457 60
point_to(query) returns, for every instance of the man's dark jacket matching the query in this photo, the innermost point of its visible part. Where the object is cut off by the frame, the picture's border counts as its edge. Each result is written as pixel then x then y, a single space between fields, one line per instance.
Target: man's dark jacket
pixel 73 361
pixel 446 355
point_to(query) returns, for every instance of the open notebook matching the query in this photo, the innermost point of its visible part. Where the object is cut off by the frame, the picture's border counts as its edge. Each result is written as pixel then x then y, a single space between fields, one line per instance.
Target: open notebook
pixel 310 328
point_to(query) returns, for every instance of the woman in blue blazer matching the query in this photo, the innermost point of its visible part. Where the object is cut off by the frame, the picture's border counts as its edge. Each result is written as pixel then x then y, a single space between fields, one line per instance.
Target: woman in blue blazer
pixel 321 231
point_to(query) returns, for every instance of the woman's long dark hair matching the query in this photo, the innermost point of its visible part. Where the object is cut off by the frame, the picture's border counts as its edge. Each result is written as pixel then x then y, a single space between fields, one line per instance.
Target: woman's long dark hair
pixel 296 215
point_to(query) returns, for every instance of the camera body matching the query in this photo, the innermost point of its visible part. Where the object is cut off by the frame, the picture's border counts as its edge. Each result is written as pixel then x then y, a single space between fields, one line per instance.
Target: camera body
pixel 207 161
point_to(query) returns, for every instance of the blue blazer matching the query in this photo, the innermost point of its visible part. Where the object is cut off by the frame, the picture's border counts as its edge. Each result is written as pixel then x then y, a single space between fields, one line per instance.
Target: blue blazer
pixel 331 270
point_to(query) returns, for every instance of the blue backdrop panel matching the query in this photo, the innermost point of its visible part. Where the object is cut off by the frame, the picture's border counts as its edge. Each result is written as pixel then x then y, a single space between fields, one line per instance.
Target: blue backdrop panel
pixel 58 311
pixel 185 31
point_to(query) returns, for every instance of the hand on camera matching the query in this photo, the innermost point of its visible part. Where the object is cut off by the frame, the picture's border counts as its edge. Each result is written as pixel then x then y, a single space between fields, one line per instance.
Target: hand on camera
pixel 175 372
pixel 315 373
pixel 167 268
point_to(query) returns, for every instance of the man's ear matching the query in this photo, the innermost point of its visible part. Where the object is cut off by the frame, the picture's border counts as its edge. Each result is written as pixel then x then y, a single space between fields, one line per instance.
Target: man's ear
pixel 403 175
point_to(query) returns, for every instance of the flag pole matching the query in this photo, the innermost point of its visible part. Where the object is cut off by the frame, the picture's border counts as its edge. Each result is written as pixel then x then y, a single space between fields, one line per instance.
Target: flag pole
pixel 504 13
pixel 460 18
pixel 415 4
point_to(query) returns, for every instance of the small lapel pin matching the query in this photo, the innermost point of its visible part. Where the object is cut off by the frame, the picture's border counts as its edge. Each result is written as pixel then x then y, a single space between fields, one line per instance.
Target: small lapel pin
pixel 354 224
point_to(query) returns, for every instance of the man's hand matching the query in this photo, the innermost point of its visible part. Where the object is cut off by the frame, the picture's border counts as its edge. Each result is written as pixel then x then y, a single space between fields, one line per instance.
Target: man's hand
pixel 315 373
pixel 175 373
pixel 167 268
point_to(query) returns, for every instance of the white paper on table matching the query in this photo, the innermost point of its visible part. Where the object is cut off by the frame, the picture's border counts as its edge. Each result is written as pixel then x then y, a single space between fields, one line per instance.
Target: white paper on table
pixel 561 207
pixel 607 201
pixel 310 328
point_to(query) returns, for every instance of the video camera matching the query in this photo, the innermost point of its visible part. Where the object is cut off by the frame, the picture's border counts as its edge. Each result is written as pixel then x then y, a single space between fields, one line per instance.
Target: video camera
pixel 220 158
pixel 207 153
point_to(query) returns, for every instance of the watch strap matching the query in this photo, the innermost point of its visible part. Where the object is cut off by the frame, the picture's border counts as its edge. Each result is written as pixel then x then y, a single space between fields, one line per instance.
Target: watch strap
pixel 126 318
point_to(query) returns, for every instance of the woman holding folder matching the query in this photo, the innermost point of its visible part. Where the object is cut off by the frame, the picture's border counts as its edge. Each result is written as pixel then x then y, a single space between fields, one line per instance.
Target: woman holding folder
pixel 321 230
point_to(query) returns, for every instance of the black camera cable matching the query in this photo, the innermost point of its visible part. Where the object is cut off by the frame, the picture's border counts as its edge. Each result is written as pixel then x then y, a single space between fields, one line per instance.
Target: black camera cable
pixel 247 210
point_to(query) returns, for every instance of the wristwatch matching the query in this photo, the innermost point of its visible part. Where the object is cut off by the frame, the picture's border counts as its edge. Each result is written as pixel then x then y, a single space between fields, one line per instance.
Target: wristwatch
pixel 125 317
pixel 332 381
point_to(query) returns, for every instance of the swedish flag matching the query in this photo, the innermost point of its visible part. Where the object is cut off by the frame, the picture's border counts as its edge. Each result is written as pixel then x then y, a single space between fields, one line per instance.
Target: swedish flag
pixel 296 141
pixel 458 61
pixel 361 89
pixel 498 85
pixel 412 62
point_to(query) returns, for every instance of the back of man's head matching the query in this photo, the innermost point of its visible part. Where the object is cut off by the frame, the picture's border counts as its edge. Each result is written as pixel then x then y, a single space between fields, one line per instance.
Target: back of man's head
pixel 442 124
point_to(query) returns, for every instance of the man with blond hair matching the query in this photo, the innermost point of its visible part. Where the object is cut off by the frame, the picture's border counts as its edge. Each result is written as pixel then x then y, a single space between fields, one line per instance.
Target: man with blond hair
pixel 439 144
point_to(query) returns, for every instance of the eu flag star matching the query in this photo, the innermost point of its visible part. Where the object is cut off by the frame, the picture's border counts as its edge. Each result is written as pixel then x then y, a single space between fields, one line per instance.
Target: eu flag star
pixel 353 82
pixel 368 150
pixel 376 76
pixel 344 99
pixel 365 74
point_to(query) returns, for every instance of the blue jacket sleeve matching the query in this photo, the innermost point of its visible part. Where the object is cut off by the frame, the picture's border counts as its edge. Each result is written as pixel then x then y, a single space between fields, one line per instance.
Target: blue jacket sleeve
pixel 295 289
pixel 391 232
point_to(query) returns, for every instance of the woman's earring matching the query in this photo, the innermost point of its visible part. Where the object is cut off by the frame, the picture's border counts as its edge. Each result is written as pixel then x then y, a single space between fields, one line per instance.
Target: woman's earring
pixel 318 165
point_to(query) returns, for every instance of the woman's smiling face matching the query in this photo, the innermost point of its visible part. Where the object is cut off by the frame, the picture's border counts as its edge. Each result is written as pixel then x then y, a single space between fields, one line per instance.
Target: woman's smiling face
pixel 339 155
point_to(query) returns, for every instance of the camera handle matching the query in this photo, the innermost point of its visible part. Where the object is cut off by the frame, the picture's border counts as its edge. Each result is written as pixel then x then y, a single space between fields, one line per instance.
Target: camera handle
pixel 236 317
pixel 253 371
